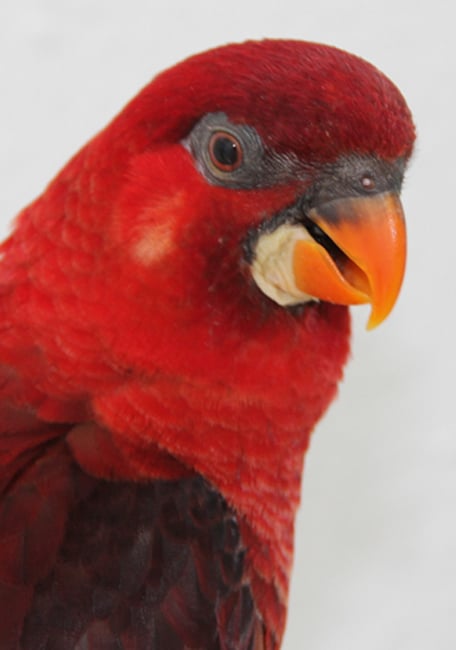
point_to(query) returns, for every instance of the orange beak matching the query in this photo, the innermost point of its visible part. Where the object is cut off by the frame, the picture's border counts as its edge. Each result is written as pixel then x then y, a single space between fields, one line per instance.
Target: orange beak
pixel 358 254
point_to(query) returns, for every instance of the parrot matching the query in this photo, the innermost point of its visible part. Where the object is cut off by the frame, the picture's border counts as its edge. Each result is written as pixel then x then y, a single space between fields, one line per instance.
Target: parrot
pixel 174 321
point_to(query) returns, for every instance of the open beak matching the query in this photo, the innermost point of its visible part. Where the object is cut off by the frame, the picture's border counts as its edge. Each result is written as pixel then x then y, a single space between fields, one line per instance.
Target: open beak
pixel 356 255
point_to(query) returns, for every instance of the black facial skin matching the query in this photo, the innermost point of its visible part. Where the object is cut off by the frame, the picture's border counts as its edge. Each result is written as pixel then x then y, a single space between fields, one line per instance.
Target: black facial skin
pixel 349 176
pixel 260 167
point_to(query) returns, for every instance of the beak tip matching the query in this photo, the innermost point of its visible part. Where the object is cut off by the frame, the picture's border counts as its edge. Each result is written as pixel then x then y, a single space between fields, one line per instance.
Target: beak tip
pixel 371 325
pixel 377 317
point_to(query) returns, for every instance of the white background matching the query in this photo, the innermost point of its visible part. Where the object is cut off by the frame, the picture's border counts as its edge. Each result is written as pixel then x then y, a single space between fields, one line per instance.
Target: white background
pixel 376 546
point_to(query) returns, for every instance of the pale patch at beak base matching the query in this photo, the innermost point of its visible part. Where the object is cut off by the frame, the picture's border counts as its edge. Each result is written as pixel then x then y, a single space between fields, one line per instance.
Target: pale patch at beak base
pixel 272 268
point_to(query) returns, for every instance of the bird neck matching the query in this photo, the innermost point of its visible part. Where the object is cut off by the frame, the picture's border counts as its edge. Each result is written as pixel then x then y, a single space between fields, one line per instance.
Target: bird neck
pixel 246 432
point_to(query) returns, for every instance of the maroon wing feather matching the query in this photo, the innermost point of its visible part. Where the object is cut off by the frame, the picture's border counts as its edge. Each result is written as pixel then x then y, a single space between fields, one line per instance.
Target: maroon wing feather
pixel 88 564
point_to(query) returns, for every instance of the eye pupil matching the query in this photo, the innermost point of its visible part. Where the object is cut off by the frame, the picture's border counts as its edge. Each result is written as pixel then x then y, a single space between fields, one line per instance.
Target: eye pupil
pixel 225 151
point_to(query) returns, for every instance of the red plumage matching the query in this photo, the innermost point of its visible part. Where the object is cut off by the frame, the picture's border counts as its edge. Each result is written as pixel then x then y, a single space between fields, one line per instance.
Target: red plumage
pixel 135 345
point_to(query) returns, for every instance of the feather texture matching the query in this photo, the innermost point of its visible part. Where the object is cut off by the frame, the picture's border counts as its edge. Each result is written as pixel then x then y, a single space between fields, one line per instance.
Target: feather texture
pixel 95 564
pixel 155 405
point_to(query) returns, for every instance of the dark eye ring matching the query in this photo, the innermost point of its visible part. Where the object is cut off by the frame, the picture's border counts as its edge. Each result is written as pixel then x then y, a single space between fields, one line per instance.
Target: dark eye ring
pixel 225 151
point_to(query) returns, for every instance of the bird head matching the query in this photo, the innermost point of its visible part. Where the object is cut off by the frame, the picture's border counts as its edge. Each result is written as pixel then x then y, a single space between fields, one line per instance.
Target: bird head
pixel 280 162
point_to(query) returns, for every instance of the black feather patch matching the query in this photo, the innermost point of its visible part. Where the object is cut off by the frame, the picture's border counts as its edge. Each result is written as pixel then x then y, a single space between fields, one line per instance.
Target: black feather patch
pixel 157 566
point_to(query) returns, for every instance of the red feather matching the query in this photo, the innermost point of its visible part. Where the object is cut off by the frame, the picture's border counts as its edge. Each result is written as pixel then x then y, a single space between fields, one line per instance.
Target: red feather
pixel 134 343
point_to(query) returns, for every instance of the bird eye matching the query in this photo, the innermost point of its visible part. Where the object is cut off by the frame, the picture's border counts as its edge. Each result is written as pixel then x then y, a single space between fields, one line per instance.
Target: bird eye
pixel 231 154
pixel 225 151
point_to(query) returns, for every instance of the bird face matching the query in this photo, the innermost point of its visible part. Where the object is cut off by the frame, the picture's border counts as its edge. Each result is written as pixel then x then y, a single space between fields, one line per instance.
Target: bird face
pixel 279 166
pixel 342 239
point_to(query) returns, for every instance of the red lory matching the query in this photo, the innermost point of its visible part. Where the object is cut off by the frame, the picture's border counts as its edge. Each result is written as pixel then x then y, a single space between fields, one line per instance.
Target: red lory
pixel 174 321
